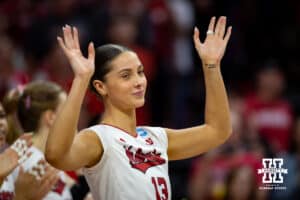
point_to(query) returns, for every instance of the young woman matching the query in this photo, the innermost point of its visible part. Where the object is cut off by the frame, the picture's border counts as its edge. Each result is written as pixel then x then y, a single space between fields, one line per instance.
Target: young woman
pixel 20 185
pixel 37 108
pixel 120 160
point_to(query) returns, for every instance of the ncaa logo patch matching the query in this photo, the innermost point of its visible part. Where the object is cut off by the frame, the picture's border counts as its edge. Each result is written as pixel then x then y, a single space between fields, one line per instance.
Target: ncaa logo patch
pixel 141 132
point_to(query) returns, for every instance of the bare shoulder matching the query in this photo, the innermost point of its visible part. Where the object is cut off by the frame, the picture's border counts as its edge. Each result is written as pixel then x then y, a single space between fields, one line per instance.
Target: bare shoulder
pixel 91 144
pixel 170 131
pixel 89 138
pixel 88 134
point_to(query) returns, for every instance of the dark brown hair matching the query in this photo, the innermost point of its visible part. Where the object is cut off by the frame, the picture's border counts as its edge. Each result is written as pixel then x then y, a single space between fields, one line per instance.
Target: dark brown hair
pixel 104 56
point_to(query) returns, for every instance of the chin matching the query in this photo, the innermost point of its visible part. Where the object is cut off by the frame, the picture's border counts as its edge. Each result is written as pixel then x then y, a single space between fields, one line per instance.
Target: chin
pixel 139 104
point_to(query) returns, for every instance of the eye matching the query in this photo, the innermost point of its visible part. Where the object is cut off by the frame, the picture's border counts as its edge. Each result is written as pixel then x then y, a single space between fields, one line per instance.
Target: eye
pixel 125 76
pixel 2 115
pixel 141 72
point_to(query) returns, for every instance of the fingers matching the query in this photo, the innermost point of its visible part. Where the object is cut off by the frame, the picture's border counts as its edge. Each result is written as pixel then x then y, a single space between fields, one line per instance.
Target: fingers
pixel 220 27
pixel 68 37
pixel 62 45
pixel 91 50
pixel 196 38
pixel 76 38
pixel 228 33
pixel 211 25
pixel 48 181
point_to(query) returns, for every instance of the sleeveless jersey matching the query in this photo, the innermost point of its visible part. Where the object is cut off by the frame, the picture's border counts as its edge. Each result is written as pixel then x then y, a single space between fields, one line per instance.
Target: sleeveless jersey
pixel 60 190
pixel 131 167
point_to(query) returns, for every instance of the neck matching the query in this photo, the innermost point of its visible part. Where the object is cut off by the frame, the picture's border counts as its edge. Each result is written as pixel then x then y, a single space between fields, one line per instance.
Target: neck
pixel 125 119
pixel 39 139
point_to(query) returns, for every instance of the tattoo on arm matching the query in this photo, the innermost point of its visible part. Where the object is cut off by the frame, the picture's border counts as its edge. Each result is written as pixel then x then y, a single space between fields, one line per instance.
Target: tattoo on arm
pixel 211 65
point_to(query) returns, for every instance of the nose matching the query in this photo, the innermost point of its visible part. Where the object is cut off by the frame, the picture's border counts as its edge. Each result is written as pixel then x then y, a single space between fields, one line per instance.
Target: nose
pixel 138 81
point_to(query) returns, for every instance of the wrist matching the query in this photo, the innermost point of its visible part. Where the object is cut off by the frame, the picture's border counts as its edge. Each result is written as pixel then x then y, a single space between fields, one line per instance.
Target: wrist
pixel 82 78
pixel 210 65
pixel 12 155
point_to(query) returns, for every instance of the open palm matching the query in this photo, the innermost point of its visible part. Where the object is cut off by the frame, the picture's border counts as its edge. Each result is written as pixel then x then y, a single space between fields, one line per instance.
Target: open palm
pixel 81 65
pixel 213 48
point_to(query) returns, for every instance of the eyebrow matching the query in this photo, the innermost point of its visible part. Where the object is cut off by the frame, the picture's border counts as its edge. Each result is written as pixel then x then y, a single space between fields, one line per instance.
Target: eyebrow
pixel 129 69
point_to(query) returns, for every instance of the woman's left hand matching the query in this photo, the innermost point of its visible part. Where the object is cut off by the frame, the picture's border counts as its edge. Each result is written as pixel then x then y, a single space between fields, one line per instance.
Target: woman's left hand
pixel 213 48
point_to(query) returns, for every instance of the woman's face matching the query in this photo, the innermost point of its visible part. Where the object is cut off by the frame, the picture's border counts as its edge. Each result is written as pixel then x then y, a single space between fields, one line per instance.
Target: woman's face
pixel 3 126
pixel 126 84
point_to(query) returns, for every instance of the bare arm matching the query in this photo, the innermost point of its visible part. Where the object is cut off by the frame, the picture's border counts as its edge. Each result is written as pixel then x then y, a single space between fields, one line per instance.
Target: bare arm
pixel 65 149
pixel 8 162
pixel 185 143
pixel 10 159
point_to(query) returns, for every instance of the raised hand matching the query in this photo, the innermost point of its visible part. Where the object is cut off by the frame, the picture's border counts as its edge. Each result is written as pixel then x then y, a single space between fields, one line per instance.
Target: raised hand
pixel 213 48
pixel 83 67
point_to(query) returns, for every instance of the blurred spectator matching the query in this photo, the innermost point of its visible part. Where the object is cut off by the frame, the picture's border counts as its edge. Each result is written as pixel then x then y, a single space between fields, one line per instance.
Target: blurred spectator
pixel 267 113
pixel 241 184
pixel 11 65
pixel 291 162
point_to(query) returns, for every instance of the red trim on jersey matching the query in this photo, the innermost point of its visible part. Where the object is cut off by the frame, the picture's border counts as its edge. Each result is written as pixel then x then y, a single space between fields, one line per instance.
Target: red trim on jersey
pixel 135 136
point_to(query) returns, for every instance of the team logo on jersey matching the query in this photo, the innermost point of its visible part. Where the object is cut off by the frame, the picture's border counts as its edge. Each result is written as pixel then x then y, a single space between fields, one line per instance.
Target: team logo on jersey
pixel 143 161
pixel 141 132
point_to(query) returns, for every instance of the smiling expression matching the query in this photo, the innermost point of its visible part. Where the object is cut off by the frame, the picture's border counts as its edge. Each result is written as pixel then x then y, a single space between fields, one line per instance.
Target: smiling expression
pixel 126 84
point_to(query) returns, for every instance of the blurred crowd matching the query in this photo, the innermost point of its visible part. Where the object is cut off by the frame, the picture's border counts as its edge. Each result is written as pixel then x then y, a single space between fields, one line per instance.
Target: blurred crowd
pixel 261 70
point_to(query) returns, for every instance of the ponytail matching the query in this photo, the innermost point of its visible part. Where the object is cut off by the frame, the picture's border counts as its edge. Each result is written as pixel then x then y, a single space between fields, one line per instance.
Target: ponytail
pixel 10 105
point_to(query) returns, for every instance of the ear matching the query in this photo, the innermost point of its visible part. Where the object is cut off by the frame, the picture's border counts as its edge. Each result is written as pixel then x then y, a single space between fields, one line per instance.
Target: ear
pixel 48 117
pixel 100 87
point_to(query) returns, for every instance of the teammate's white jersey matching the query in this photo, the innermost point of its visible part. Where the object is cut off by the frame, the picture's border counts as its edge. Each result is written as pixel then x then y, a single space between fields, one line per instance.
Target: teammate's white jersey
pixel 7 187
pixel 59 192
pixel 131 168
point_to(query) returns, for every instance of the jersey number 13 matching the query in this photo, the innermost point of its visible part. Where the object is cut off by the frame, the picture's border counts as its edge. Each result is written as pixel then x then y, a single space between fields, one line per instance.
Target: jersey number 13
pixel 161 188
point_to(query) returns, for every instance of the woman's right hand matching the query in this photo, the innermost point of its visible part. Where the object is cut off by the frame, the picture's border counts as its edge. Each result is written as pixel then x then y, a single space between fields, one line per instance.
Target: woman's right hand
pixel 82 67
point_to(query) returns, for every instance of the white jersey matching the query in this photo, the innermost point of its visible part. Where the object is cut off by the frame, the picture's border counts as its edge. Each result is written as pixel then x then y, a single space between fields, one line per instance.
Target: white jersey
pixel 7 188
pixel 131 167
pixel 60 190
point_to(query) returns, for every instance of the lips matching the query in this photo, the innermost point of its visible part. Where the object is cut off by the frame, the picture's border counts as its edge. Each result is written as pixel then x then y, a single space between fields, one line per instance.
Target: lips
pixel 139 93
